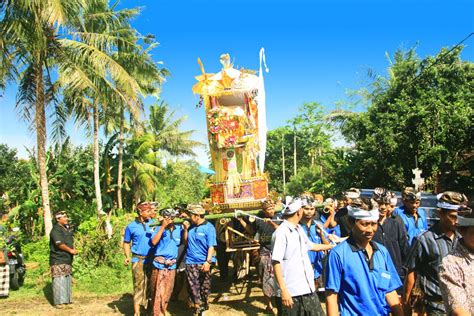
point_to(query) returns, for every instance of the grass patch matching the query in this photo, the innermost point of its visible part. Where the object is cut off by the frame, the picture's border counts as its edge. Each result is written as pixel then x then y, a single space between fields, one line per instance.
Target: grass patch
pixel 97 270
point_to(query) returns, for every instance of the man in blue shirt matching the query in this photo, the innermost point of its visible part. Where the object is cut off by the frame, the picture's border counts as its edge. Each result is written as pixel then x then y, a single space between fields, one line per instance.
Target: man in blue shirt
pixel 313 230
pixel 166 241
pixel 361 278
pixel 201 240
pixel 136 244
pixel 413 216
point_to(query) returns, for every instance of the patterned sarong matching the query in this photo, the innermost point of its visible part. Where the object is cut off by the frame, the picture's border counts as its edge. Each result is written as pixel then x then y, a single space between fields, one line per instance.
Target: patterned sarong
pixel 140 282
pixel 199 285
pixel 165 262
pixel 4 280
pixel 266 272
pixel 59 270
pixel 161 283
pixel 62 283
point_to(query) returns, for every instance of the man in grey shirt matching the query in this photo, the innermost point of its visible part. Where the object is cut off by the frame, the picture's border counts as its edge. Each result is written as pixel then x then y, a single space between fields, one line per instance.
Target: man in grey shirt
pixel 291 264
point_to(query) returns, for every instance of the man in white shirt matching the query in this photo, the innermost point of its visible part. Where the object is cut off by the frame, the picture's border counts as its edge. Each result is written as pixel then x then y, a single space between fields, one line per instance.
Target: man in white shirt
pixel 291 264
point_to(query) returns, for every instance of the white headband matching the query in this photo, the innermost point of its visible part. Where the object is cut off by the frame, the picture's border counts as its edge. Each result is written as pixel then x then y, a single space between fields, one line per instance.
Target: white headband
pixel 393 201
pixel 357 213
pixel 448 206
pixel 465 221
pixel 292 207
pixel 352 195
pixel 306 202
pixel 60 215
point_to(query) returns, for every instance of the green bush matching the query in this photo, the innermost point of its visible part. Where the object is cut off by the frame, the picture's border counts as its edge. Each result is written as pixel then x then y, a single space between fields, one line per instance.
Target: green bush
pixel 98 268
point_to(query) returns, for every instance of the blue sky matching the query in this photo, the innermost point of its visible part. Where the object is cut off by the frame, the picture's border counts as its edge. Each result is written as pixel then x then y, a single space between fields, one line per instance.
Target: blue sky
pixel 316 50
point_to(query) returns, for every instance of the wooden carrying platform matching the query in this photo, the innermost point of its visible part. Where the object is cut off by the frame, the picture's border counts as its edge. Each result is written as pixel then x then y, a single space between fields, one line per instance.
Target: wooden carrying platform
pixel 238 242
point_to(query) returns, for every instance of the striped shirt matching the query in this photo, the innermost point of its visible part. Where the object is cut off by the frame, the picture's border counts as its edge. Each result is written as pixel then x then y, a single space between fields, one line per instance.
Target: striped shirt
pixel 425 257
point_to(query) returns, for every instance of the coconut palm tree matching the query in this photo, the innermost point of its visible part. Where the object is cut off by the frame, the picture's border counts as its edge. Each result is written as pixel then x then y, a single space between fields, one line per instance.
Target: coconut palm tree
pixel 150 76
pixel 71 40
pixel 30 42
pixel 130 74
pixel 146 150
pixel 103 31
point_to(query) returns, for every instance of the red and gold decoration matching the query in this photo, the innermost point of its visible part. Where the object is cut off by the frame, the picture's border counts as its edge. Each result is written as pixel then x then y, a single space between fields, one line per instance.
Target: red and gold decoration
pixel 234 102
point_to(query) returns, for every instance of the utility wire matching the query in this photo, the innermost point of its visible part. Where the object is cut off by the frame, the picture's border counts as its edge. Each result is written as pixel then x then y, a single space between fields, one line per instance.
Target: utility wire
pixel 439 58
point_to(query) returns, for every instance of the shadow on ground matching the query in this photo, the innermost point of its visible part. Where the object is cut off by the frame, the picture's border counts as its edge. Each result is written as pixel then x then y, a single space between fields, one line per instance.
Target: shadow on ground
pixel 48 292
pixel 123 305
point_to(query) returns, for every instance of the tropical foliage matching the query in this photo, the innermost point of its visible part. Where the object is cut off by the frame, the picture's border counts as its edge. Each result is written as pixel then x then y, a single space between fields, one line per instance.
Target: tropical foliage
pixel 310 159
pixel 420 115
pixel 83 60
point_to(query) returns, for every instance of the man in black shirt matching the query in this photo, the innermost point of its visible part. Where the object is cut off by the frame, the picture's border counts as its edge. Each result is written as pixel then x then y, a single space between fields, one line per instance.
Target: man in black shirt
pixel 60 258
pixel 391 232
pixel 264 226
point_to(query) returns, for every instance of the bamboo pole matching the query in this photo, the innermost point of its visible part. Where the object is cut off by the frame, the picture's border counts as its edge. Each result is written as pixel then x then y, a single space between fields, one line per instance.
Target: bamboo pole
pixel 222 215
pixel 215 216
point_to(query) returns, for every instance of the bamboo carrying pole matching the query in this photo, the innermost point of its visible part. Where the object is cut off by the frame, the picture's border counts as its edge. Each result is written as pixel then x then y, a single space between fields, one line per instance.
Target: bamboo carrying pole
pixel 215 216
pixel 224 215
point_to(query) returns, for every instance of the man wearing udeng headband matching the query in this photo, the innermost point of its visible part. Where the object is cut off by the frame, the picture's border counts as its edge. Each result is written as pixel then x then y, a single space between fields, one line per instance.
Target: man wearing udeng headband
pixel 361 277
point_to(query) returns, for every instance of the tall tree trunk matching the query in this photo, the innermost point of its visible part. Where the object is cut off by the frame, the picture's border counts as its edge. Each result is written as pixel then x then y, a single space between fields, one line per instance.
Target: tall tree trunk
pixel 294 152
pixel 283 162
pixel 40 121
pixel 120 158
pixel 98 195
pixel 320 162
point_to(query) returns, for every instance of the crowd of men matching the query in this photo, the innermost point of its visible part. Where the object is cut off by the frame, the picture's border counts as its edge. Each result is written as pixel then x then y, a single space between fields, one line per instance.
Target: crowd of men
pixel 154 252
pixel 366 254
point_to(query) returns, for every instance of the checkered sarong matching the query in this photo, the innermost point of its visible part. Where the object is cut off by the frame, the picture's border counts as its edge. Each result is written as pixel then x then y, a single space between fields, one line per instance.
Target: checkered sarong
pixel 267 276
pixel 199 285
pixel 4 280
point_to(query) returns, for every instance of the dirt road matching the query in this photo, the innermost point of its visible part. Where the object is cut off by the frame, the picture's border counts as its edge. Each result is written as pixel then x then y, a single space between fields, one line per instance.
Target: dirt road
pixel 242 298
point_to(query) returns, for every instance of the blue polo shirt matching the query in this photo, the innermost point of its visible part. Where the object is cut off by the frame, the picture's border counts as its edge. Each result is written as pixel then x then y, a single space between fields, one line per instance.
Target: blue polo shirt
pixel 361 284
pixel 315 257
pixel 200 239
pixel 168 245
pixel 413 228
pixel 139 235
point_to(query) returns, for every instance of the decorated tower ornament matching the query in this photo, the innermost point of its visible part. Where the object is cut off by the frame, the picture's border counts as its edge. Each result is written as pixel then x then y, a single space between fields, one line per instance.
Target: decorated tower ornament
pixel 234 102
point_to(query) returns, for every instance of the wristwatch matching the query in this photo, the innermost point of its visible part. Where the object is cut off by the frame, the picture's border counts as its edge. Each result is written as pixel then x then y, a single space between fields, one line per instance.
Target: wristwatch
pixel 209 261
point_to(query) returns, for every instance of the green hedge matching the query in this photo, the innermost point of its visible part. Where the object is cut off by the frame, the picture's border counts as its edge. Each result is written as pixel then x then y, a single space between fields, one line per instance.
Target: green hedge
pixel 97 269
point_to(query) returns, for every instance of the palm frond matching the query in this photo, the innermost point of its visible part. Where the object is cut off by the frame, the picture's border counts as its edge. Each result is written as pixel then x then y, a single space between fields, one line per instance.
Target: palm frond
pixel 103 63
pixel 60 116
